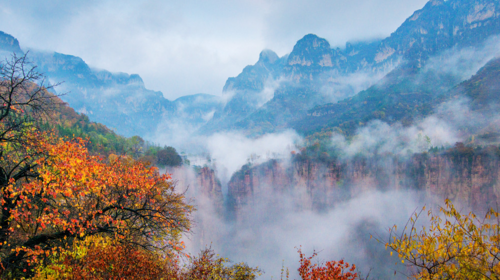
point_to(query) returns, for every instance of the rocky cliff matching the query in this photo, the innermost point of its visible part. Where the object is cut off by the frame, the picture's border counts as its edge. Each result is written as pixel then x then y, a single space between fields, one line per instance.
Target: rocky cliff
pixel 204 191
pixel 460 174
pixel 210 186
pixel 200 183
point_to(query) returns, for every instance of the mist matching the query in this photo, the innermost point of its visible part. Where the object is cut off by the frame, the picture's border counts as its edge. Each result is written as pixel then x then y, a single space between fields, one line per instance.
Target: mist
pixel 273 223
pixel 461 63
pixel 442 129
pixel 268 229
pixel 231 150
pixel 338 87
pixel 263 221
pixel 275 219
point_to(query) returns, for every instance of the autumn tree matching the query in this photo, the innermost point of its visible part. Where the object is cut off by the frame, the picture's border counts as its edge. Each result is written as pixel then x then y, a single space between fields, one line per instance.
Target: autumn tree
pixel 104 258
pixel 24 97
pixel 97 257
pixel 24 100
pixel 207 265
pixel 452 246
pixel 332 270
pixel 54 192
pixel 77 195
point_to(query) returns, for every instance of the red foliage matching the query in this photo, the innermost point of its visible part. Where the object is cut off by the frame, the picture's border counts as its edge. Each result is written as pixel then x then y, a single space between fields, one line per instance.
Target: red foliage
pixel 332 270
pixel 114 261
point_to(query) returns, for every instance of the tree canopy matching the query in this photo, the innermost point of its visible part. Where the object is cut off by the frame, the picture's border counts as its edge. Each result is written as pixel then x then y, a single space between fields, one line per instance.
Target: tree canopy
pixel 452 246
pixel 54 192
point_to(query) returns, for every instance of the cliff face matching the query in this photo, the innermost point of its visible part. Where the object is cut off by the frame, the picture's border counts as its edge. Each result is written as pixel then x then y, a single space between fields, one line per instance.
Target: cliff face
pixel 209 186
pixel 200 184
pixel 204 191
pixel 471 178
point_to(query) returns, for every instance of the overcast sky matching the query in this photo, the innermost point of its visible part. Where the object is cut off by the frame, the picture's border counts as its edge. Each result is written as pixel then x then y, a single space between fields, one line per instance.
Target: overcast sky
pixel 187 47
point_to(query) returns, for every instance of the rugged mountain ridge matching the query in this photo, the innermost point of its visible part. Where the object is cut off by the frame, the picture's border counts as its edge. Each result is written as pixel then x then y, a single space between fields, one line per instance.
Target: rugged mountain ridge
pixel 9 44
pixel 119 100
pixel 246 92
pixel 314 66
pixel 313 89
pixel 404 101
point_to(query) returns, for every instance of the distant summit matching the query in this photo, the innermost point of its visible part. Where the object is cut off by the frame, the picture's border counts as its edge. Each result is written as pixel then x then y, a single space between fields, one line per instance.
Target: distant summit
pixel 268 57
pixel 311 56
pixel 311 50
pixel 8 43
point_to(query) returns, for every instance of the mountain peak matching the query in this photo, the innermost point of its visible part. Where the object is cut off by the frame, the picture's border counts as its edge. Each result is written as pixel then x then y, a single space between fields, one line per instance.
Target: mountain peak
pixel 311 51
pixel 268 56
pixel 9 43
pixel 312 42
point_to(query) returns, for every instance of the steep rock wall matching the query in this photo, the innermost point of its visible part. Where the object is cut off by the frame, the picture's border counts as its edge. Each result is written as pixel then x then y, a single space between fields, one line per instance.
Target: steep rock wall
pixel 468 176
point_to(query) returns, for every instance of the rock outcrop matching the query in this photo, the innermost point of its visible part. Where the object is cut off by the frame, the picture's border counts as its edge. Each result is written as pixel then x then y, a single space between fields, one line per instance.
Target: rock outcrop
pixel 209 186
pixel 460 174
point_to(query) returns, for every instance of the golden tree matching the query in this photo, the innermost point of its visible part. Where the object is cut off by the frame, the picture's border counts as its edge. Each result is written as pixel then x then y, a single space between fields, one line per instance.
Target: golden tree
pixel 452 246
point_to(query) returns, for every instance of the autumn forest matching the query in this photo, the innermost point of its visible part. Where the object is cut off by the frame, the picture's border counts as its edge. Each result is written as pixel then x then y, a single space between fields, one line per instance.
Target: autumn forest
pixel 370 153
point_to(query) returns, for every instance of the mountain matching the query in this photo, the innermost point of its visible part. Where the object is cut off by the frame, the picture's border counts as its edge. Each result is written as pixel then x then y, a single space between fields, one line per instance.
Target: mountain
pixel 322 88
pixel 120 101
pixel 117 100
pixel 316 88
pixel 9 44
pixel 252 88
pixel 312 56
pixel 267 95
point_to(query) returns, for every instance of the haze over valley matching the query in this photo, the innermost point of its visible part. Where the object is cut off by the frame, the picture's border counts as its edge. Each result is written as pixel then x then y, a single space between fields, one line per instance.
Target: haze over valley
pixel 322 145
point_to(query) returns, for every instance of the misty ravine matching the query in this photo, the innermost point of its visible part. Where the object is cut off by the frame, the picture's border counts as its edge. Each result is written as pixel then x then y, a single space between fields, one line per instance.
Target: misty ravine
pixel 315 147
pixel 333 204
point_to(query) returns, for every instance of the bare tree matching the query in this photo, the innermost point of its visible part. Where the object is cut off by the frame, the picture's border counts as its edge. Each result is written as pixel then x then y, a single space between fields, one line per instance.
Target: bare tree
pixel 24 96
pixel 25 102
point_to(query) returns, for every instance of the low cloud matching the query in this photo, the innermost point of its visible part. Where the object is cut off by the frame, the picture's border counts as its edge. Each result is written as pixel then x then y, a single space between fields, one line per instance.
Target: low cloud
pixel 269 231
pixel 267 93
pixel 232 150
pixel 442 129
pixel 461 63
pixel 338 87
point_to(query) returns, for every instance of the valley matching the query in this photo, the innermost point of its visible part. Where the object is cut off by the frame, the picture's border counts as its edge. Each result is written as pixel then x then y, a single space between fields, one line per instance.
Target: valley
pixel 324 147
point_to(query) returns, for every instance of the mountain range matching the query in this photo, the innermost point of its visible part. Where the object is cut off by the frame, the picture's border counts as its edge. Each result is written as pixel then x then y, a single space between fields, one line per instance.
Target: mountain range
pixel 325 89
pixel 315 89
pixel 119 100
